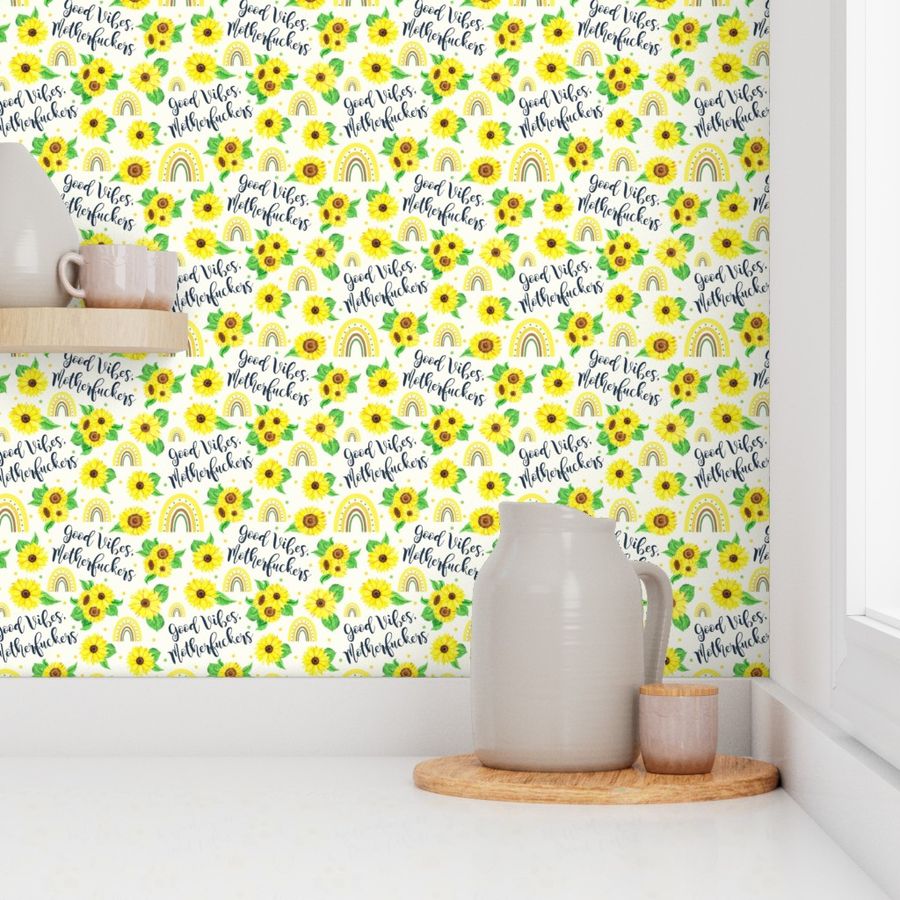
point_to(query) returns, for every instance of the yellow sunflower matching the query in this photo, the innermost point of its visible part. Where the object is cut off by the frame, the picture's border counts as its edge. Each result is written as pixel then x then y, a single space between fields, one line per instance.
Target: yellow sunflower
pixel 376 67
pixel 376 418
pixel 383 206
pixel 382 30
pixel 727 242
pixel 25 417
pixel 201 67
pixel 620 475
pixel 727 418
pixel 485 520
pixel 558 206
pixel 484 170
pixel 671 428
pixel 496 252
pixel 317 660
pixel 496 428
pixel 145 603
pixel 207 30
pixel 320 77
pixel 660 345
pixel 25 592
pixel 134 170
pixel 496 77
pixel 558 382
pixel 32 30
pixel 93 650
pixel 208 206
pixel 666 135
pixel 620 299
pixel 666 310
pixel 316 485
pixel 733 30
pixel 671 77
pixel 552 242
pixel 671 252
pixel 309 345
pixel 733 557
pixel 207 557
pixel 134 520
pixel 727 67
pixel 269 123
pixel 445 474
pixel 269 650
pixel 376 242
pixel 145 77
pixel 733 206
pixel 142 660
pixel 445 650
pixel 727 593
pixel 320 252
pixel 321 428
pixel 376 593
pixel 31 556
pixel 309 170
pixel 56 669
pixel 269 474
pixel 666 485
pixel 660 521
pixel 383 381
pixel 201 242
pixel 485 345
pixel 733 382
pixel 551 67
pixel 661 170
pixel 383 557
pixel 552 418
pixel 94 124
pixel 620 124
pixel 201 418
pixel 25 67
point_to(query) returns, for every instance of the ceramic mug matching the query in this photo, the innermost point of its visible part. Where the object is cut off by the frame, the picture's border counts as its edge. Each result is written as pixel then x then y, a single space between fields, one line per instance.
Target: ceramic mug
pixel 679 728
pixel 162 280
pixel 112 276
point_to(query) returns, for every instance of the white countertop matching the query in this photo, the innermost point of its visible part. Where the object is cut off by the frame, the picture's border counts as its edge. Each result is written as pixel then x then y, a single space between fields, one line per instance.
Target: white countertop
pixel 357 828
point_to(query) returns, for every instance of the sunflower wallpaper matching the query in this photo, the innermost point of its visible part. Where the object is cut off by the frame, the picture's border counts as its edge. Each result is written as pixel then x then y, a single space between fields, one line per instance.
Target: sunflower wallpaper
pixel 434 255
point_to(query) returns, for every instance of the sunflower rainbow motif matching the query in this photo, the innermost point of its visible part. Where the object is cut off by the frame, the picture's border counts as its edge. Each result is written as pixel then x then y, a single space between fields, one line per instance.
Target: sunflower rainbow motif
pixel 434 257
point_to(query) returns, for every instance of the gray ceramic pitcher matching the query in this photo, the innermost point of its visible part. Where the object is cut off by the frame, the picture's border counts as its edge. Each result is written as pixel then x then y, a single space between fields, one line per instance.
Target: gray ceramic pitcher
pixel 559 646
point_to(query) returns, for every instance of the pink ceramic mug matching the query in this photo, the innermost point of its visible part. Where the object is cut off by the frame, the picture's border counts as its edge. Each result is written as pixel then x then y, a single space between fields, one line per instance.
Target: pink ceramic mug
pixel 679 727
pixel 112 276
pixel 162 280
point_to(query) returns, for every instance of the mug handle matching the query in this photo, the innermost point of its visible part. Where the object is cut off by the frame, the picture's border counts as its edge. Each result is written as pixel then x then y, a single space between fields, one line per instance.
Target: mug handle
pixel 64 260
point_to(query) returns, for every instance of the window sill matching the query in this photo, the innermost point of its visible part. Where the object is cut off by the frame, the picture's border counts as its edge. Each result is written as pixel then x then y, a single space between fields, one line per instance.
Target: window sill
pixel 862 693
pixel 849 791
pixel 884 617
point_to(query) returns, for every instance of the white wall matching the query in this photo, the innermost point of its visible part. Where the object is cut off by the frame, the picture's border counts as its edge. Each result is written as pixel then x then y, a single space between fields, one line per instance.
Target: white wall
pixel 806 267
pixel 265 716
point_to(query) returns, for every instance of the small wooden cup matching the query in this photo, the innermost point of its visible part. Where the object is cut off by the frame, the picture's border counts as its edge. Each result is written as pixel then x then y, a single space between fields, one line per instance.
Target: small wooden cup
pixel 679 728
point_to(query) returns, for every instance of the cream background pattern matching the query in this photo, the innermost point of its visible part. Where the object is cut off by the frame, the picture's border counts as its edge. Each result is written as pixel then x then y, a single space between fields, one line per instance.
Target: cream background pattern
pixel 434 256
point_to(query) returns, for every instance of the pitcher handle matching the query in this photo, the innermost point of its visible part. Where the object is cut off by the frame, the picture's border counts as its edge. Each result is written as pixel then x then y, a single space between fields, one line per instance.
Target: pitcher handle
pixel 659 619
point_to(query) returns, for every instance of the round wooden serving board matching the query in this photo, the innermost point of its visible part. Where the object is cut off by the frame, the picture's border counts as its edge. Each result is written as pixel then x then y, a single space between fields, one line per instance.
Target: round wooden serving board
pixel 465 776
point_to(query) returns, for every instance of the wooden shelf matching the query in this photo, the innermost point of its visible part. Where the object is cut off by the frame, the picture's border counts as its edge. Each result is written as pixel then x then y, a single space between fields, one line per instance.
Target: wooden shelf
pixel 464 776
pixel 77 330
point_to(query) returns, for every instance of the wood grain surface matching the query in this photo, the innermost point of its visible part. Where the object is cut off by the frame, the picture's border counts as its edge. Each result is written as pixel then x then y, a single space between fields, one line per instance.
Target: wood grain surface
pixel 678 690
pixel 464 776
pixel 64 329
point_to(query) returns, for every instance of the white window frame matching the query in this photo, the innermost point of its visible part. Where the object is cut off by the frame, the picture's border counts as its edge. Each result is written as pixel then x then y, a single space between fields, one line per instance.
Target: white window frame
pixel 866 651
